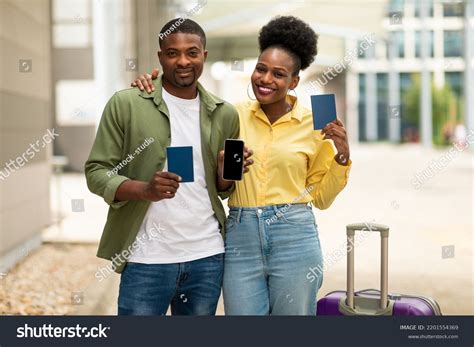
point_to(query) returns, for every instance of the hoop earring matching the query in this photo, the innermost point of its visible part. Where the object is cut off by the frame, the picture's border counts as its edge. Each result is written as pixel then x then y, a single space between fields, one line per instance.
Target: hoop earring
pixel 289 91
pixel 248 93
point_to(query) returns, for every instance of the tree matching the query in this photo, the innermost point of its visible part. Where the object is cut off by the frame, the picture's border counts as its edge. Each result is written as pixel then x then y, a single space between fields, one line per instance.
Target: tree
pixel 444 106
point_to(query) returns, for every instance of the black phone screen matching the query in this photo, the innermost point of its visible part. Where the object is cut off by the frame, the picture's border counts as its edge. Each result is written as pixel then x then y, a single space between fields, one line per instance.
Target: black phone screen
pixel 233 160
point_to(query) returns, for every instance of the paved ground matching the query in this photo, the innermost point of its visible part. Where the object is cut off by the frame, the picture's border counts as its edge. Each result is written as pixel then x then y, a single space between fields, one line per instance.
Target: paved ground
pixel 423 221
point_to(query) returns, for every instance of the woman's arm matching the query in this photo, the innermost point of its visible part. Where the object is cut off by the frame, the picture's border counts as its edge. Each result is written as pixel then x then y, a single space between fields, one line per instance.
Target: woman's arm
pixel 328 171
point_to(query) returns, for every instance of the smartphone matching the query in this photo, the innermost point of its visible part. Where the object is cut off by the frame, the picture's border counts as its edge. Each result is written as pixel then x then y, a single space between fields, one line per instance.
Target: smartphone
pixel 324 110
pixel 233 160
pixel 180 162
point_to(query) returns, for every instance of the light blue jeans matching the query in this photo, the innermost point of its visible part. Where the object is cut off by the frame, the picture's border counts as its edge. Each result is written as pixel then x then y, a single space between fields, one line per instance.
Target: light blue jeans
pixel 268 256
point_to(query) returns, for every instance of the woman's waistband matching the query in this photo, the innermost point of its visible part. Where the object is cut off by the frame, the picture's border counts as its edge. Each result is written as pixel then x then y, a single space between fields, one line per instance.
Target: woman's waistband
pixel 274 208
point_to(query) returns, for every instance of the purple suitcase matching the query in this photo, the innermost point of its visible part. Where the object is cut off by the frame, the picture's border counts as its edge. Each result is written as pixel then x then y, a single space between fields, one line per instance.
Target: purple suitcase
pixel 372 302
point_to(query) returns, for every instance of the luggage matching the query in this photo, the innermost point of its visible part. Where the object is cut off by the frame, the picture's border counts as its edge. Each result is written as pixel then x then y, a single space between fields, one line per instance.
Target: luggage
pixel 372 302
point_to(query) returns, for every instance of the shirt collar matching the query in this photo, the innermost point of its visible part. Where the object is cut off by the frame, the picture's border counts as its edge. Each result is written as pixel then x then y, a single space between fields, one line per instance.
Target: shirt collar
pixel 296 112
pixel 210 101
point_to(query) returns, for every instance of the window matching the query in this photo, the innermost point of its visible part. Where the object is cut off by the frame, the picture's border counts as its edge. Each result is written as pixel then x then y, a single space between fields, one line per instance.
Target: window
pixel 71 24
pixel 362 108
pixel 455 81
pixel 453 43
pixel 395 6
pixel 417 4
pixel 396 38
pixel 418 43
pixel 453 9
pixel 383 114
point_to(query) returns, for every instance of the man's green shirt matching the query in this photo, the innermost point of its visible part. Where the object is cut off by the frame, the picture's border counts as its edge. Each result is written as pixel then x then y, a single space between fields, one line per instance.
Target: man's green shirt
pixel 131 143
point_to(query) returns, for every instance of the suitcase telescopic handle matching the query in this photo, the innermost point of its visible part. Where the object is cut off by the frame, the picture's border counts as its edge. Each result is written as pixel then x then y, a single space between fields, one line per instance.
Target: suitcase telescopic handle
pixel 384 232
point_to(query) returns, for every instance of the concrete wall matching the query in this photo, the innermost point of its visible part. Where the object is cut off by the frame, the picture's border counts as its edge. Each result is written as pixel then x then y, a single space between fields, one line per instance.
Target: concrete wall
pixel 25 117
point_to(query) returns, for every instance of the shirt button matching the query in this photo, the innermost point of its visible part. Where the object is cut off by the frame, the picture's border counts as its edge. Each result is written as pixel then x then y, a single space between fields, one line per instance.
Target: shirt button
pixel 259 211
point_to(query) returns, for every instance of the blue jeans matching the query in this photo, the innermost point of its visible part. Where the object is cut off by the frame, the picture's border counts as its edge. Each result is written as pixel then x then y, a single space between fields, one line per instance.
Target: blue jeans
pixel 267 260
pixel 191 288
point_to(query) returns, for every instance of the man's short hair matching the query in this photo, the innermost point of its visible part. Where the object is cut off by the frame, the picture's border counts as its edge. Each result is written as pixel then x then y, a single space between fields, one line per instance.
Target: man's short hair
pixel 182 25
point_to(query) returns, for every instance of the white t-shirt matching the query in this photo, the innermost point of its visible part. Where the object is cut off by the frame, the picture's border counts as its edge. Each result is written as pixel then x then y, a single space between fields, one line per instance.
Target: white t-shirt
pixel 185 227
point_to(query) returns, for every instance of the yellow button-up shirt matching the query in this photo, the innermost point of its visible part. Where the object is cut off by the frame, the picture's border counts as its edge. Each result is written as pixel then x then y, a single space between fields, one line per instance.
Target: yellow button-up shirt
pixel 292 162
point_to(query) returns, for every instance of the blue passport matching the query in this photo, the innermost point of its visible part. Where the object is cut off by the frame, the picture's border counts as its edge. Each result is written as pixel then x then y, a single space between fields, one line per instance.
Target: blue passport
pixel 324 110
pixel 180 162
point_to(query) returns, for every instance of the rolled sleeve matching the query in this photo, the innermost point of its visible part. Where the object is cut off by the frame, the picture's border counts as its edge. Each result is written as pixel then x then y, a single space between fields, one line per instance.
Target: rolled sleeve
pixel 341 172
pixel 111 189
pixel 106 154
pixel 326 177
pixel 226 193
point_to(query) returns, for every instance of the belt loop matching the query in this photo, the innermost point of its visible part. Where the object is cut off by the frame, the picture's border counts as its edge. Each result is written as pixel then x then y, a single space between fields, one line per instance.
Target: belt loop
pixel 239 213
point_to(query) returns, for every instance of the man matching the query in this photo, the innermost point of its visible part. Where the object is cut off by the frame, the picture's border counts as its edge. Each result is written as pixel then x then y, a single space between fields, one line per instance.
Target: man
pixel 164 236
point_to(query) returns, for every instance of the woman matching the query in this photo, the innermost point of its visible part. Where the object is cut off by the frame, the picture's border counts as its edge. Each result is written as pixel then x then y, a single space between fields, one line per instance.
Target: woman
pixel 272 239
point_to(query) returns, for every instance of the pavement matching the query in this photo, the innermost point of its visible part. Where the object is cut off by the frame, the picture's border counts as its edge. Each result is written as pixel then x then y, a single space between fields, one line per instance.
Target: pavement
pixel 429 212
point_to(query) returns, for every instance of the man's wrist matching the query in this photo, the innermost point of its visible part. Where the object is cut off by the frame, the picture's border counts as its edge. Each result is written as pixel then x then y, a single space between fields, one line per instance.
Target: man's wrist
pixel 223 185
pixel 143 191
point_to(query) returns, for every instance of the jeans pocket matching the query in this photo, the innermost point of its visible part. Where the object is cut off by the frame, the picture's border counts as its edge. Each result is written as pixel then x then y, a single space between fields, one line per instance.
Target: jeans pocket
pixel 298 217
pixel 230 222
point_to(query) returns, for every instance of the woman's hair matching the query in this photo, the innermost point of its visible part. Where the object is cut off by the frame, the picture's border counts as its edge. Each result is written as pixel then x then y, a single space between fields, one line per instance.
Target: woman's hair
pixel 294 36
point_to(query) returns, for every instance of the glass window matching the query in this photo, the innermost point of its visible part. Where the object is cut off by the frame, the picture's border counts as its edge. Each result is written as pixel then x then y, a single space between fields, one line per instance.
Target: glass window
pixel 71 35
pixel 361 108
pixel 453 43
pixel 397 38
pixel 455 81
pixel 71 23
pixel 418 43
pixel 361 54
pixel 395 6
pixel 453 9
pixel 383 114
pixel 417 4
pixel 409 110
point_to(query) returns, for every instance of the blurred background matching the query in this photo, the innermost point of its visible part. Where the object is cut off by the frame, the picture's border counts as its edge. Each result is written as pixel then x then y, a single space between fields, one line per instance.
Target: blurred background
pixel 402 72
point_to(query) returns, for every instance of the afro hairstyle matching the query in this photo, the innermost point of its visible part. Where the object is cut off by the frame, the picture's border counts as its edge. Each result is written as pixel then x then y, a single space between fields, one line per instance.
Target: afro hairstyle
pixel 292 35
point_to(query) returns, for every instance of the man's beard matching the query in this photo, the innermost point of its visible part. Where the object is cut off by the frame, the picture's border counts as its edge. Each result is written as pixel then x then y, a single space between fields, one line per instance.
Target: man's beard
pixel 186 81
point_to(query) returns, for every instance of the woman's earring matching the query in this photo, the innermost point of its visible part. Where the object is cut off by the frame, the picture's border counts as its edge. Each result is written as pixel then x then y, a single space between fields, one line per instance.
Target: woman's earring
pixel 289 90
pixel 248 93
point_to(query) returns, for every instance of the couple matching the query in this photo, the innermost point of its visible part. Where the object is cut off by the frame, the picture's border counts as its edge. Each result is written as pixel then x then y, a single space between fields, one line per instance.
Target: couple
pixel 172 234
